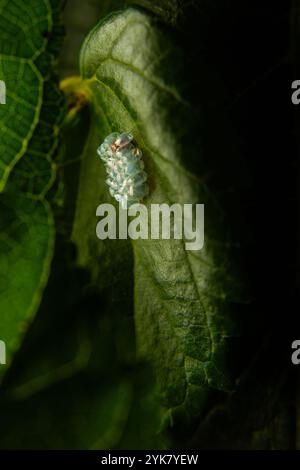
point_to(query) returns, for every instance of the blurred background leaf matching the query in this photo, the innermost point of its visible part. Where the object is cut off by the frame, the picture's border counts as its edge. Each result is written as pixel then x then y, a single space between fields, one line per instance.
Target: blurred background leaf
pixel 30 135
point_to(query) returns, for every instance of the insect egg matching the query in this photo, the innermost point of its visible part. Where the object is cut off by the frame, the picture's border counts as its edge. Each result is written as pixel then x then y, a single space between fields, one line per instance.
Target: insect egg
pixel 124 166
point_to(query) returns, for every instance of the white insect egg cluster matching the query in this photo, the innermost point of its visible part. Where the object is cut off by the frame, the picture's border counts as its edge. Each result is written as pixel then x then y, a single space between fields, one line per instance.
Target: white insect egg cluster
pixel 124 167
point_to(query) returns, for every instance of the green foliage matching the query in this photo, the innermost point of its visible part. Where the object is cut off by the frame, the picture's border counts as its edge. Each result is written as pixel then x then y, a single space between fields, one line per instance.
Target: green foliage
pixel 27 237
pixel 29 139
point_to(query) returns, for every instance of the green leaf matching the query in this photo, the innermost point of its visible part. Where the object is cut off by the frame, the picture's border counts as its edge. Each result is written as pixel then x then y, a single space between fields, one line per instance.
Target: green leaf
pixel 30 141
pixel 138 80
pixel 25 32
pixel 27 239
